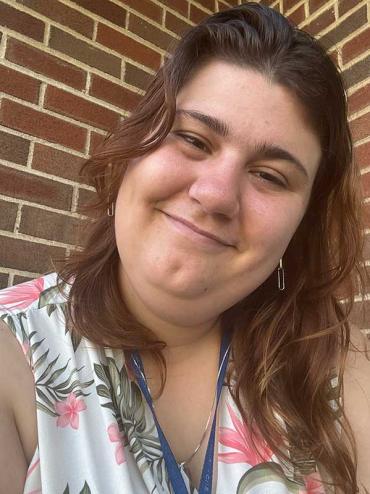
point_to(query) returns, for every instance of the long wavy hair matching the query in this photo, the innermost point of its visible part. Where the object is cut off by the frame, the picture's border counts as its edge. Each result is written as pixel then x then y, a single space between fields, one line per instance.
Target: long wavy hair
pixel 286 345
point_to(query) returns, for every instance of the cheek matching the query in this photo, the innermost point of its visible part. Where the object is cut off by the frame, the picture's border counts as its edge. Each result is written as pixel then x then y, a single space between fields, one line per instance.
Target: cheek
pixel 155 176
pixel 272 221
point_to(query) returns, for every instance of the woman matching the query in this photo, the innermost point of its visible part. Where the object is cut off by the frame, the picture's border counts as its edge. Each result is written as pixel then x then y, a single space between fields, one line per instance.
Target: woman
pixel 197 342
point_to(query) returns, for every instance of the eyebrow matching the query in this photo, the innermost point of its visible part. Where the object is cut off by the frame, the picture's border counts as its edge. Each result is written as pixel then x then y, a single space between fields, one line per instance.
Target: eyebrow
pixel 261 151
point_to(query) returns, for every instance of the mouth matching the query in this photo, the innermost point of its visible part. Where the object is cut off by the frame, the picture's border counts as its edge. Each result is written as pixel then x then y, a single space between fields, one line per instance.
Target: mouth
pixel 198 230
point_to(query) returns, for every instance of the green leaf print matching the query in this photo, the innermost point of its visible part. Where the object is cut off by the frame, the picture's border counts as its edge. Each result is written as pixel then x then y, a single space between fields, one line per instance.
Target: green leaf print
pixel 47 295
pixel 76 340
pixel 44 398
pixel 257 477
pixel 66 490
pixel 40 360
pixel 125 401
pixel 50 308
pixel 52 383
pixel 75 337
pixel 85 489
pixel 47 370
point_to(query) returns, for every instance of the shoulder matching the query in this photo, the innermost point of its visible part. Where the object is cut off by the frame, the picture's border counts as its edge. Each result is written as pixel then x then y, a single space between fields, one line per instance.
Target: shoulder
pixel 356 399
pixel 17 405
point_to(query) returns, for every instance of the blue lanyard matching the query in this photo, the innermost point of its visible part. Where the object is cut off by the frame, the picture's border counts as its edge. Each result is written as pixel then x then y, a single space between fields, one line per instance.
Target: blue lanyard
pixel 173 469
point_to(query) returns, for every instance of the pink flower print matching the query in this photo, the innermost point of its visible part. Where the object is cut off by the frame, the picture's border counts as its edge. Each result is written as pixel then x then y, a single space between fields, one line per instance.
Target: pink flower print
pixel 68 411
pixel 115 436
pixel 313 484
pixel 25 347
pixel 240 439
pixel 21 296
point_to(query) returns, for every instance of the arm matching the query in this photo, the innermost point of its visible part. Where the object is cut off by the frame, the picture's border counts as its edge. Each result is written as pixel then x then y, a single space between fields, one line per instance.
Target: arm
pixel 356 403
pixel 15 381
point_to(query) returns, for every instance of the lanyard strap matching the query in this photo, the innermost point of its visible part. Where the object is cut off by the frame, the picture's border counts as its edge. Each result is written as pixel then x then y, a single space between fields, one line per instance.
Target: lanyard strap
pixel 173 469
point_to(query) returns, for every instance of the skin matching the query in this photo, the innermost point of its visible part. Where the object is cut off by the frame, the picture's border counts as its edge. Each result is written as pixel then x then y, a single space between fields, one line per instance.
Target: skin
pixel 176 284
pixel 184 282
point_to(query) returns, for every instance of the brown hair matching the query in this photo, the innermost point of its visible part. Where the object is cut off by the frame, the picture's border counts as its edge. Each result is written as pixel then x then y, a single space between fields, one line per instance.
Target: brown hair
pixel 285 344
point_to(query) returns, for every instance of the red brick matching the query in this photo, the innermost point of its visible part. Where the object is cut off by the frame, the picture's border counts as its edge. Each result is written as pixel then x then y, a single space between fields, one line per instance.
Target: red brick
pixel 181 6
pixel 367 214
pixel 334 55
pixel 150 33
pixel 362 154
pixel 29 187
pixel 315 5
pixel 50 160
pixel 346 27
pixel 63 14
pixel 14 148
pixel 366 250
pixel 49 225
pixel 145 7
pixel 28 256
pixel 80 109
pixel 127 47
pixel 357 72
pixel 39 124
pixel 366 184
pixel 360 127
pixel 359 44
pixel 137 77
pixel 268 3
pixel 345 5
pixel 85 197
pixel 8 215
pixel 18 84
pixel 106 9
pixel 21 279
pixel 359 99
pixel 288 4
pixel 175 24
pixel 208 4
pixel 197 15
pixel 84 52
pixel 95 141
pixel 222 6
pixel 44 63
pixel 21 22
pixel 4 278
pixel 321 22
pixel 113 93
pixel 297 16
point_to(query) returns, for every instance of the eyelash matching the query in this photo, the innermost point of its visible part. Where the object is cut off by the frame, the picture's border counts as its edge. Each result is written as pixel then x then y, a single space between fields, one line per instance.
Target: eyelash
pixel 193 141
pixel 272 179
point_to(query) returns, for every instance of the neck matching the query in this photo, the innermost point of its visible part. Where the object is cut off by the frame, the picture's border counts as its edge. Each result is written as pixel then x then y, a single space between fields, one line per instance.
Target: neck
pixel 181 341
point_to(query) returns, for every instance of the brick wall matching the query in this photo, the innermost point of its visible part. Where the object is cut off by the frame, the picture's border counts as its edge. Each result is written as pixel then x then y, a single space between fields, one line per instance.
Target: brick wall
pixel 69 70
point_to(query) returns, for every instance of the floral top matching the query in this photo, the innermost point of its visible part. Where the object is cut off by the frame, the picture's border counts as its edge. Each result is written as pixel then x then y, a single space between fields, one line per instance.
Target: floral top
pixel 96 433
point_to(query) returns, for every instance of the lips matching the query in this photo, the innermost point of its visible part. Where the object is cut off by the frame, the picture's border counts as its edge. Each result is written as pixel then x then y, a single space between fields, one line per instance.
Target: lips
pixel 198 230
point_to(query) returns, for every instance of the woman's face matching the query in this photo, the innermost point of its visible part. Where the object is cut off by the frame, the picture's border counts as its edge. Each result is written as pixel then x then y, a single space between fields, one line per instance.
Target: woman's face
pixel 238 165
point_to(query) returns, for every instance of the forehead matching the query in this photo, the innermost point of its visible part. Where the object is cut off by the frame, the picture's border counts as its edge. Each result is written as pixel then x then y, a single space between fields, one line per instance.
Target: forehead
pixel 254 109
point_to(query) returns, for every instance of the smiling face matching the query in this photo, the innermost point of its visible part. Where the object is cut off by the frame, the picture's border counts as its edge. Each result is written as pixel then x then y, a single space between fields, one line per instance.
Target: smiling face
pixel 203 220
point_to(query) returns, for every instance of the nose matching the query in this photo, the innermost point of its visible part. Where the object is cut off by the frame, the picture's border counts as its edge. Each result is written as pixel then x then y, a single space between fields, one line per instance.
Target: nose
pixel 218 191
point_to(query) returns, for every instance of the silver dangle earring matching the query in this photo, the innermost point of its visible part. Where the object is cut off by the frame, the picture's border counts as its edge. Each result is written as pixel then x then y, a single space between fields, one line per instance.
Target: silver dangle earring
pixel 110 209
pixel 281 276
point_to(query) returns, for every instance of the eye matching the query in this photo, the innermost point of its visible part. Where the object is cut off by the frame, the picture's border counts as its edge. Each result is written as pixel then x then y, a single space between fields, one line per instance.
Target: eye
pixel 268 177
pixel 193 141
